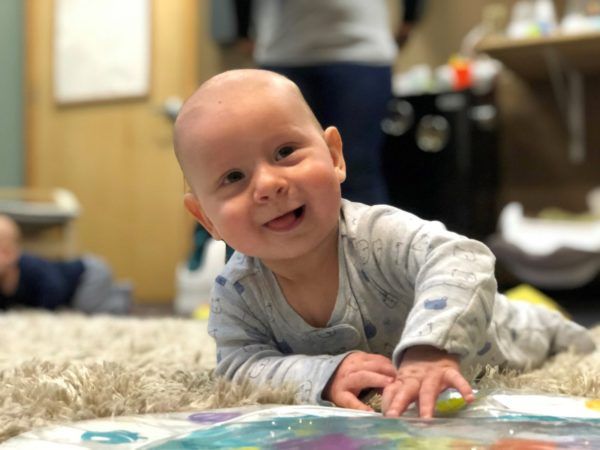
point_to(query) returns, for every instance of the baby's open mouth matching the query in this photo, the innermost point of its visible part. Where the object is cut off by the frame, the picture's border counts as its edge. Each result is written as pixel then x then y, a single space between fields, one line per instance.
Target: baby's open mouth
pixel 286 221
pixel 298 212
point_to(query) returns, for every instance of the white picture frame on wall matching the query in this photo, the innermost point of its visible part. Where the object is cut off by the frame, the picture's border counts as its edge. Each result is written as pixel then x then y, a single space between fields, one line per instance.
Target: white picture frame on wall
pixel 102 50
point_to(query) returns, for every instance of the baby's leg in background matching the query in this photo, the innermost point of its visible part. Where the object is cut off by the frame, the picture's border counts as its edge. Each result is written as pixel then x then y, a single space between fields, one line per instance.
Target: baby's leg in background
pixel 526 334
pixel 97 292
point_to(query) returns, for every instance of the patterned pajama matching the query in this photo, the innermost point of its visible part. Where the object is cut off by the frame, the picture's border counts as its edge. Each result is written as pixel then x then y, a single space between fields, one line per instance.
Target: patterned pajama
pixel 403 282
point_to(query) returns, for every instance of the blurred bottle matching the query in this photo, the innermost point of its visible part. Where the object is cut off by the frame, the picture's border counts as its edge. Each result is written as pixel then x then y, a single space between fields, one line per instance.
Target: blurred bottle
pixel 522 21
pixel 545 17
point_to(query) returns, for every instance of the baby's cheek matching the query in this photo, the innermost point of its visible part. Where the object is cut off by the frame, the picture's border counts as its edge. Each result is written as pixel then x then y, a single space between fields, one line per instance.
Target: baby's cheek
pixel 230 221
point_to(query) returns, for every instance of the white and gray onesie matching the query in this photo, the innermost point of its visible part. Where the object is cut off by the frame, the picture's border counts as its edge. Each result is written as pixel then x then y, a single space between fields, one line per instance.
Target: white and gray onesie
pixel 403 282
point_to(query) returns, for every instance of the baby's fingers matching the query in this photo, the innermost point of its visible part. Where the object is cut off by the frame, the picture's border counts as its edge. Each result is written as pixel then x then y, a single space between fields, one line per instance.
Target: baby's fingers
pixel 356 383
pixel 380 366
pixel 346 393
pixel 349 400
pixel 359 381
pixel 398 396
pixel 456 380
pixel 433 386
pixel 430 389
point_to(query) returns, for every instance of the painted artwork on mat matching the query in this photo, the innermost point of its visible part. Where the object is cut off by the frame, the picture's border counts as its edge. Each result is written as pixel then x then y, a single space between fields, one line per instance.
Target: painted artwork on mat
pixel 494 421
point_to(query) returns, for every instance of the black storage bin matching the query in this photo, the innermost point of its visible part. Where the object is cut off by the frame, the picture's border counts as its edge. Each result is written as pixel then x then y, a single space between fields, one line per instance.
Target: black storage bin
pixel 441 159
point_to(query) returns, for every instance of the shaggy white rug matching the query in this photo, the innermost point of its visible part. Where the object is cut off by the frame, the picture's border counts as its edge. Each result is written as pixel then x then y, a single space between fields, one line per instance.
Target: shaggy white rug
pixel 66 367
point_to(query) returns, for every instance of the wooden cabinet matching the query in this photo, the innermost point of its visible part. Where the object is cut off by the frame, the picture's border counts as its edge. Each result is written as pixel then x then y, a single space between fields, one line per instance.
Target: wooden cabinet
pixel 530 58
pixel 564 61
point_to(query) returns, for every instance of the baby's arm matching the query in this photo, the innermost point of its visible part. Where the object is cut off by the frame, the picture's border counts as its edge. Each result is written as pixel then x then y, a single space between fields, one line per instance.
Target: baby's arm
pixel 454 298
pixel 247 350
pixel 423 374
pixel 450 280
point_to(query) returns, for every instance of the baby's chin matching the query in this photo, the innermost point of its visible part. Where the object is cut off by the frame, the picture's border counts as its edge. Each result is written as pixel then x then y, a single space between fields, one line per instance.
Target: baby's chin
pixel 277 254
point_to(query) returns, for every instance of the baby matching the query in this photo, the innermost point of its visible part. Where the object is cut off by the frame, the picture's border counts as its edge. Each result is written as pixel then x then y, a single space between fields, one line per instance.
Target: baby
pixel 27 280
pixel 338 297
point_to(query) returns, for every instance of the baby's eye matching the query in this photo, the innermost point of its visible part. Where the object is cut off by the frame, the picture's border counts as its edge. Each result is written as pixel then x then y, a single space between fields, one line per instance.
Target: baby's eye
pixel 284 152
pixel 233 177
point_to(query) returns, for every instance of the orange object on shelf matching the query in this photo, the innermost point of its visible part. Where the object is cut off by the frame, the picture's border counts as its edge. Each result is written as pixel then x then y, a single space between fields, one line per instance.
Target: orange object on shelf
pixel 463 78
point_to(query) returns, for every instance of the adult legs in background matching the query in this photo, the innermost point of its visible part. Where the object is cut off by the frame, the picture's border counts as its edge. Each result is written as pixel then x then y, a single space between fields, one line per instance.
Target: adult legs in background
pixel 354 98
pixel 97 293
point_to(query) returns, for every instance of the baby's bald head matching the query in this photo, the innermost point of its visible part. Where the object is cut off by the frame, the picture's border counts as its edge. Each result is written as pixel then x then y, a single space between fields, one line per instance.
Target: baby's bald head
pixel 10 244
pixel 9 230
pixel 228 98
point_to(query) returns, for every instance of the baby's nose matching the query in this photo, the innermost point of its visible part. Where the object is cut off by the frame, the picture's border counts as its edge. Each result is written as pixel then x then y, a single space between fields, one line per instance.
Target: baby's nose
pixel 269 183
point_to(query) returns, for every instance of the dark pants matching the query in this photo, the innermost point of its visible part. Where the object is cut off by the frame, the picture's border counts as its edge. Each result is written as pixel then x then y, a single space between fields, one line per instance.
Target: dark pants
pixel 353 98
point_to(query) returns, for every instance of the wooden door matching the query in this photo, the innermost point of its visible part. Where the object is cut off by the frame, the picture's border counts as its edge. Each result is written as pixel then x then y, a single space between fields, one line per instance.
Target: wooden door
pixel 116 156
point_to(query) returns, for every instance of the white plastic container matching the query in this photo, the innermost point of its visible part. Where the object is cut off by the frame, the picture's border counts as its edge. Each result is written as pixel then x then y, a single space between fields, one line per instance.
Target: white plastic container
pixel 193 287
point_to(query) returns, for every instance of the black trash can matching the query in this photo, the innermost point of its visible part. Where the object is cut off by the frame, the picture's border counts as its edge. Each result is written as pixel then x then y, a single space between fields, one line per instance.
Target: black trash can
pixel 441 159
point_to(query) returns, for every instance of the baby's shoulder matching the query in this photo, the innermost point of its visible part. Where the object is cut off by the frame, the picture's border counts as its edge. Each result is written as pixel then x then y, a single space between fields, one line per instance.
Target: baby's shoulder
pixel 239 271
pixel 359 221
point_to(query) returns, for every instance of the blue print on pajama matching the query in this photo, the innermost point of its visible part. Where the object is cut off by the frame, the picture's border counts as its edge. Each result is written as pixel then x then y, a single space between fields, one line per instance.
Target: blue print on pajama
pixel 253 333
pixel 239 287
pixel 436 303
pixel 486 348
pixel 285 348
pixel 370 330
pixel 221 280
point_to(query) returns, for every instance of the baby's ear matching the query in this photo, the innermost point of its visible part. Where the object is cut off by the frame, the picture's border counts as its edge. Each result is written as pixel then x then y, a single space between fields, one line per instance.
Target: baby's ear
pixel 334 142
pixel 195 208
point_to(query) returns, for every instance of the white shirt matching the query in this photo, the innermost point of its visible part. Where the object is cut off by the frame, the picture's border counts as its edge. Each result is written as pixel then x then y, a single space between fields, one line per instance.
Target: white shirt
pixel 305 32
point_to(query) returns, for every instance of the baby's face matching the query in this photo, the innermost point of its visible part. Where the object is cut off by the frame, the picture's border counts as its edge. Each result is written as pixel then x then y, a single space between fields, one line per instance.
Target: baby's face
pixel 266 178
pixel 7 256
pixel 9 247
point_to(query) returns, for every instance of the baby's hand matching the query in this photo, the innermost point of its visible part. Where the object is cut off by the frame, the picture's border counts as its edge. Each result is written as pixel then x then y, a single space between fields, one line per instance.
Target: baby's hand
pixel 423 374
pixel 357 372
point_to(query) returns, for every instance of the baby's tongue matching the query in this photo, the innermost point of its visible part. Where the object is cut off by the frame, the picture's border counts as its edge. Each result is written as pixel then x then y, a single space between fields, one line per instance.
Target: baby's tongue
pixel 282 222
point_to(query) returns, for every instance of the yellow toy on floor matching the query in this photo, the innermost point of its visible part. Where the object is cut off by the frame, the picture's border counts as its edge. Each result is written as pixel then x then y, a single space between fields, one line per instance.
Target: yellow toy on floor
pixel 201 312
pixel 527 293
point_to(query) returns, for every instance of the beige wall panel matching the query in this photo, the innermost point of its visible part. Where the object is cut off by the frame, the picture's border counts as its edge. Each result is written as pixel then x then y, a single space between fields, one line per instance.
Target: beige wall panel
pixel 116 156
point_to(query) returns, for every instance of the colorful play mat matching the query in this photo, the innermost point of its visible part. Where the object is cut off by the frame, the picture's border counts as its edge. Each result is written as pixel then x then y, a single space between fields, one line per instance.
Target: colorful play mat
pixel 495 421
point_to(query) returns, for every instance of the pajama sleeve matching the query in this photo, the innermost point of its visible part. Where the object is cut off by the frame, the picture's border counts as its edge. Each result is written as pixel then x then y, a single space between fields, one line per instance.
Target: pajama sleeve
pixel 449 277
pixel 248 351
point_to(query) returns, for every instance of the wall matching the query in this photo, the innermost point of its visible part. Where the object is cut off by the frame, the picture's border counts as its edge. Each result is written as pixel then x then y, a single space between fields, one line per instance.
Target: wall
pixel 217 58
pixel 11 104
pixel 116 156
pixel 440 32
